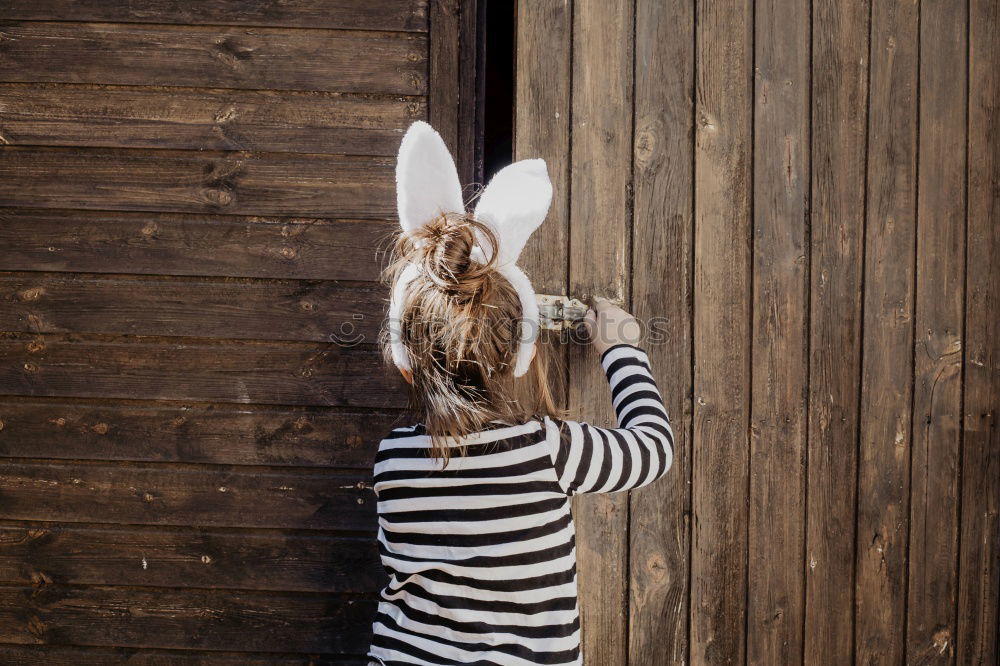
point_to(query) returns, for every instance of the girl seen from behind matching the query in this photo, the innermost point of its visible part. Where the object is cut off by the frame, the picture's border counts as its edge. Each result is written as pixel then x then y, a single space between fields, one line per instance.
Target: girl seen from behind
pixel 474 523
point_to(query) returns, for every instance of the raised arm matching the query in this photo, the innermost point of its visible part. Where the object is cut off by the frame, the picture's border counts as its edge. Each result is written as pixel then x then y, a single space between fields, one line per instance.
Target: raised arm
pixel 591 459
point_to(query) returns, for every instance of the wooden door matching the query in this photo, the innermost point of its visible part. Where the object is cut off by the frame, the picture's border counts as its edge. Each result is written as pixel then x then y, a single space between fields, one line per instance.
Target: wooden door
pixel 193 197
pixel 802 196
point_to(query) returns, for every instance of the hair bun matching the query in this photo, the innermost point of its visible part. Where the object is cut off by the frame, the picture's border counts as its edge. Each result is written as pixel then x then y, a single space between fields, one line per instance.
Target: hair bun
pixel 445 254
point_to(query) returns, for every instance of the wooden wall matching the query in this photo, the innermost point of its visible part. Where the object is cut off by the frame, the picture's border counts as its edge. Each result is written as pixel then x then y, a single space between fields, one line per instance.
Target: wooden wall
pixel 805 192
pixel 193 197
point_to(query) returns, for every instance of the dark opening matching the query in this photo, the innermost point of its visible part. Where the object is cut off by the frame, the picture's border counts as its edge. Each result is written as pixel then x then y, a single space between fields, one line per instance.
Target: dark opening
pixel 495 86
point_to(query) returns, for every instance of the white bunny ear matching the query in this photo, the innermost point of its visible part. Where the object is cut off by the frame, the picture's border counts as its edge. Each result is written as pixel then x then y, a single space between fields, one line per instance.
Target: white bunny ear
pixel 426 178
pixel 515 202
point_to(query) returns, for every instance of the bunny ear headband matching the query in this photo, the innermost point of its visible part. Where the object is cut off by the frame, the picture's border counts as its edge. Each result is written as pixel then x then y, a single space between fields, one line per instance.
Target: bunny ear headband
pixel 515 202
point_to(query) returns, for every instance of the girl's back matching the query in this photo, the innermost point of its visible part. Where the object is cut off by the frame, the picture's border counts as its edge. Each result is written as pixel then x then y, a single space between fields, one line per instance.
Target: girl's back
pixel 481 555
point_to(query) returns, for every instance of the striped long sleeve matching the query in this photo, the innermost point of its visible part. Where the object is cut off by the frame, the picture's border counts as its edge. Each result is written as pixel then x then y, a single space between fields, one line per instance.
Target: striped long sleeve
pixel 591 459
pixel 481 555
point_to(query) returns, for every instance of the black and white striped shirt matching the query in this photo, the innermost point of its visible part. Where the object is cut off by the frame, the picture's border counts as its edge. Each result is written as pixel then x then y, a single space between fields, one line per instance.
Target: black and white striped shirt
pixel 481 555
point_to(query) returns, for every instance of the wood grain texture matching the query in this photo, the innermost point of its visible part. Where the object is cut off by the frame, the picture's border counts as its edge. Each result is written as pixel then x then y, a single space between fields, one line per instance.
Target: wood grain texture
pixel 544 31
pixel 887 373
pixel 661 274
pixel 43 554
pixel 977 637
pixel 444 69
pixel 542 129
pixel 471 100
pixel 51 114
pixel 599 261
pixel 316 311
pixel 368 15
pixel 198 182
pixel 932 558
pixel 188 619
pixel 144 243
pixel 776 534
pixel 195 204
pixel 192 433
pixel 262 373
pixel 213 56
pixel 836 219
pixel 722 319
pixel 50 655
pixel 218 496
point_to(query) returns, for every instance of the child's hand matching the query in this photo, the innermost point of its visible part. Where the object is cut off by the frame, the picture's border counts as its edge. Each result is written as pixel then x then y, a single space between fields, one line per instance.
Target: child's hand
pixel 608 325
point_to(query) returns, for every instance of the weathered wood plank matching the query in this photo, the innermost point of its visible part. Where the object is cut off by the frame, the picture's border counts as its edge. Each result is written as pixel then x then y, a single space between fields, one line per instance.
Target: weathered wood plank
pixel 780 358
pixel 217 434
pixel 50 655
pixel 722 319
pixel 368 15
pixel 662 238
pixel 977 639
pixel 544 31
pixel 315 311
pixel 214 56
pixel 196 182
pixel 471 101
pixel 837 213
pixel 940 265
pixel 599 260
pixel 182 244
pixel 443 95
pixel 144 494
pixel 543 66
pixel 45 553
pixel 264 373
pixel 887 373
pixel 256 120
pixel 184 619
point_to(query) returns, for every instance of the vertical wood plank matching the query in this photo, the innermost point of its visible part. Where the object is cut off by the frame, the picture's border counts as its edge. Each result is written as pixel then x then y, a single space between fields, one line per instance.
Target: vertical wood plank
pixel 720 445
pixel 780 333
pixel 469 158
pixel 600 210
pixel 934 487
pixel 887 373
pixel 541 129
pixel 444 88
pixel 979 568
pixel 659 533
pixel 839 118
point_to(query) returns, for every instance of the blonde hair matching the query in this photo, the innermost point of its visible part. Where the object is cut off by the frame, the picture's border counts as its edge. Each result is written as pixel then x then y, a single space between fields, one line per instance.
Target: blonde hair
pixel 460 324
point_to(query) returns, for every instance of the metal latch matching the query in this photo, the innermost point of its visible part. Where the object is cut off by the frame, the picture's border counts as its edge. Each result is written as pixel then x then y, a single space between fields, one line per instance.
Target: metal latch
pixel 557 313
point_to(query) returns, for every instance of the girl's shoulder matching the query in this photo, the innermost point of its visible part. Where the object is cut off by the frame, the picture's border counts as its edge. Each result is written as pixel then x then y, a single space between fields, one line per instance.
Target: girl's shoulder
pixel 406 431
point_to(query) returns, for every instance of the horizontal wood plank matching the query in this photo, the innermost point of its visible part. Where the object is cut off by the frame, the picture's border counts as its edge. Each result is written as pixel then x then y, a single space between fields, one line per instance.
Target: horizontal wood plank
pixel 214 56
pixel 260 120
pixel 368 15
pixel 184 619
pixel 320 311
pixel 182 244
pixel 46 554
pixel 49 655
pixel 197 182
pixel 273 373
pixel 218 434
pixel 136 494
